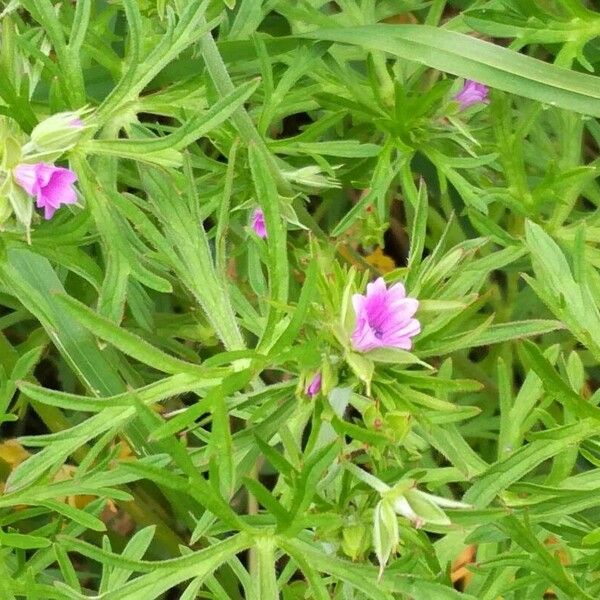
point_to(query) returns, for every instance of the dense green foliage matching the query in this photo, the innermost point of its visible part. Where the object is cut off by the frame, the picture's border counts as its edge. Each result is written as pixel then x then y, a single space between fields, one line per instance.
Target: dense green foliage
pixel 158 440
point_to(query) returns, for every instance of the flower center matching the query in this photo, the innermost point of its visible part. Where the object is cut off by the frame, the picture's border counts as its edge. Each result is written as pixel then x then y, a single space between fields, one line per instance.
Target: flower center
pixel 377 332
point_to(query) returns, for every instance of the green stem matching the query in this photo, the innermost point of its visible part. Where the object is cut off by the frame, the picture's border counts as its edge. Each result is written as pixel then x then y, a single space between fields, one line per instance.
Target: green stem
pixel 241 119
pixel 267 577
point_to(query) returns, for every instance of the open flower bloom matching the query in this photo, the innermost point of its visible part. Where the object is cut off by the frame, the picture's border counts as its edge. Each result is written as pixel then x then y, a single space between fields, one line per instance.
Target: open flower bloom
pixel 258 223
pixel 314 387
pixel 384 318
pixel 471 93
pixel 52 186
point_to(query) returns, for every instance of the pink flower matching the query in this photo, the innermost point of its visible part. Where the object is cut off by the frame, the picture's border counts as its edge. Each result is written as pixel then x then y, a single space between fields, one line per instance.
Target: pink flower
pixel 314 387
pixel 471 93
pixel 76 122
pixel 258 223
pixel 384 318
pixel 52 186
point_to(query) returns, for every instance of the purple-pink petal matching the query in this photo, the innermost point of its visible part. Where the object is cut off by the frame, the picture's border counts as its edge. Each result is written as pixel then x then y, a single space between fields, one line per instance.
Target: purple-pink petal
pixel 314 387
pixel 471 93
pixel 26 177
pixel 384 318
pixel 258 223
pixel 51 185
pixel 48 210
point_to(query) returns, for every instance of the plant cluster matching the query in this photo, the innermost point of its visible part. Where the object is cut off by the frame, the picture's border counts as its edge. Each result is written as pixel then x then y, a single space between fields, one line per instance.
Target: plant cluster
pixel 299 299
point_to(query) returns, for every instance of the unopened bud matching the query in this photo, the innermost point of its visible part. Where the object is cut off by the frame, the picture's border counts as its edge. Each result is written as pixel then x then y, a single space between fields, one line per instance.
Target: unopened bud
pixel 58 133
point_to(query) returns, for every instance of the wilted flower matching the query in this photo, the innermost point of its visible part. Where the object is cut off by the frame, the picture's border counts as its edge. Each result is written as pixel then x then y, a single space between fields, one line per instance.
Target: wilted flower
pixel 403 499
pixel 471 93
pixel 421 508
pixel 51 185
pixel 314 387
pixel 386 534
pixel 312 176
pixel 258 223
pixel 384 318
pixel 402 507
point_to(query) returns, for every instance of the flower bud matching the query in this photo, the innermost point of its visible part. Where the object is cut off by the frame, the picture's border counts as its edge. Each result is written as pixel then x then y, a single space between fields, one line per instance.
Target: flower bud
pixel 314 386
pixel 329 378
pixel 58 133
pixel 312 176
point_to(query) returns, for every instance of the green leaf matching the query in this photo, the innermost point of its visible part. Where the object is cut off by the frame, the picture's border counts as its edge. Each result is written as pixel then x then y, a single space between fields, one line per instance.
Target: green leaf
pixel 362 366
pixel 502 332
pixel 74 514
pixel 307 481
pixel 284 467
pixel 268 198
pixel 394 356
pixel 23 541
pixel 556 386
pixel 127 342
pixel 198 564
pixel 163 151
pixel 571 301
pixel 192 252
pixel 505 472
pixel 266 498
pixel 383 174
pixel 135 549
pixel 471 58
pixel 363 578
pixel 298 319
pixel 34 282
pixel 150 394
